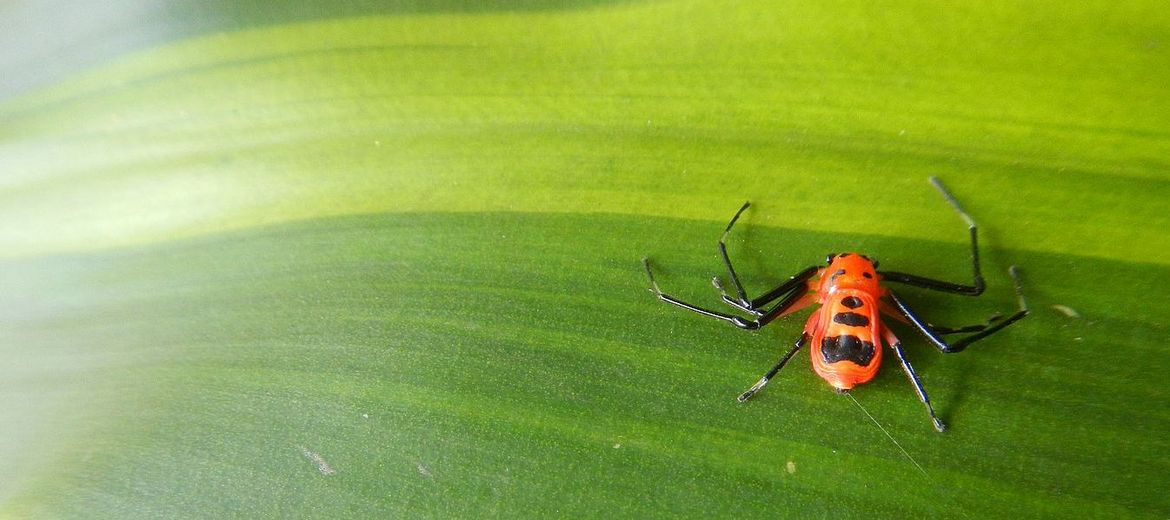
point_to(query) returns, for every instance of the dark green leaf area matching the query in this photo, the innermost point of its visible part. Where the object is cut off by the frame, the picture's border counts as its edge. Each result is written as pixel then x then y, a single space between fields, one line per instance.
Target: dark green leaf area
pixel 456 365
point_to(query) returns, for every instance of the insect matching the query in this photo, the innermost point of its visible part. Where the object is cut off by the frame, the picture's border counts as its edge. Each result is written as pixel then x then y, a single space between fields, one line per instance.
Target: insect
pixel 846 332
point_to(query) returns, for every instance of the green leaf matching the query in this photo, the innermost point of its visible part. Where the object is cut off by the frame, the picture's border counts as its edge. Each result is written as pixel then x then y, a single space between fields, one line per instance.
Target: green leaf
pixel 295 264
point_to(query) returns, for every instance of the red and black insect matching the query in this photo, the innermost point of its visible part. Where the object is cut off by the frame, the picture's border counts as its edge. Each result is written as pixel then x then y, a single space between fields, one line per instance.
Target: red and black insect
pixel 846 331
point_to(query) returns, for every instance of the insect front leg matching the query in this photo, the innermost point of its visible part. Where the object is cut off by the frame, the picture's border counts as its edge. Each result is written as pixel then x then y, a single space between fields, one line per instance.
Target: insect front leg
pixel 738 321
pixel 740 300
pixel 790 287
pixel 762 317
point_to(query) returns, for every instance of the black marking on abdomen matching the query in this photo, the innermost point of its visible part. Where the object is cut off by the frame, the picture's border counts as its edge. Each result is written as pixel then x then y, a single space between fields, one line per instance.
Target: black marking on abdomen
pixel 852 302
pixel 851 319
pixel 847 347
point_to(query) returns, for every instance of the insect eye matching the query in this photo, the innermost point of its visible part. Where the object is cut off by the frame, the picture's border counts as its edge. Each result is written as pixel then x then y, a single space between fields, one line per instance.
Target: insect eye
pixel 875 264
pixel 830 257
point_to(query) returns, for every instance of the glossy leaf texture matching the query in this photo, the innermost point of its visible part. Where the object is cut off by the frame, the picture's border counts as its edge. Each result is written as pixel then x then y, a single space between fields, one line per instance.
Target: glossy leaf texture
pixel 384 262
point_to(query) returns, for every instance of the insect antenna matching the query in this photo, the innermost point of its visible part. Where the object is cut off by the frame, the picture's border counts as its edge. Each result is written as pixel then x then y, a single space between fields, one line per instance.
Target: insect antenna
pixel 883 429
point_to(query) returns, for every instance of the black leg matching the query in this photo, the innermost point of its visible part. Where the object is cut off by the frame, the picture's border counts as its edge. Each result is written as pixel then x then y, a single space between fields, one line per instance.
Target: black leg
pixel 977 286
pixel 982 331
pixel 761 319
pixel 914 380
pixel 789 287
pixel 740 300
pixel 743 299
pixel 756 305
pixel 734 320
pixel 772 373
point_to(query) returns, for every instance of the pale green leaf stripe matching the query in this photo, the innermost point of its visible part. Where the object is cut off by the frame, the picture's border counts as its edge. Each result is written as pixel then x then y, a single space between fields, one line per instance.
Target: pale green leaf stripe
pixel 829 117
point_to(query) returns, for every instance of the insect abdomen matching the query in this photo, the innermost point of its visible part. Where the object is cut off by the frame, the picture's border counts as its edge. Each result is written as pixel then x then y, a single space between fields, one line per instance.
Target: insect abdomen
pixel 847 351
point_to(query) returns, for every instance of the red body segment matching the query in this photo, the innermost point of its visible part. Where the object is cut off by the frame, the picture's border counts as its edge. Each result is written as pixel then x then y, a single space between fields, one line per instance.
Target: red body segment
pixel 846 332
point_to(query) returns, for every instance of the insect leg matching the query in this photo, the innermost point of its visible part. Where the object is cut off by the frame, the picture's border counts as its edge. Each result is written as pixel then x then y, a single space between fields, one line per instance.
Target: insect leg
pixel 789 287
pixel 761 318
pixel 977 286
pixel 738 321
pixel 896 345
pixel 772 373
pixel 982 330
pixel 742 301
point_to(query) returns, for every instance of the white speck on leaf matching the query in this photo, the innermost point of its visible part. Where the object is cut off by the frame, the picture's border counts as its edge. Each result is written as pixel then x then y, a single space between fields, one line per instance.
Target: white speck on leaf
pixel 317 459
pixel 1067 311
pixel 790 467
pixel 422 470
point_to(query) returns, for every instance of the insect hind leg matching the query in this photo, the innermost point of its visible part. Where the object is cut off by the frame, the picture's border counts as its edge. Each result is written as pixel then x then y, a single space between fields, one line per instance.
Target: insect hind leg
pixel 980 331
pixel 896 345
